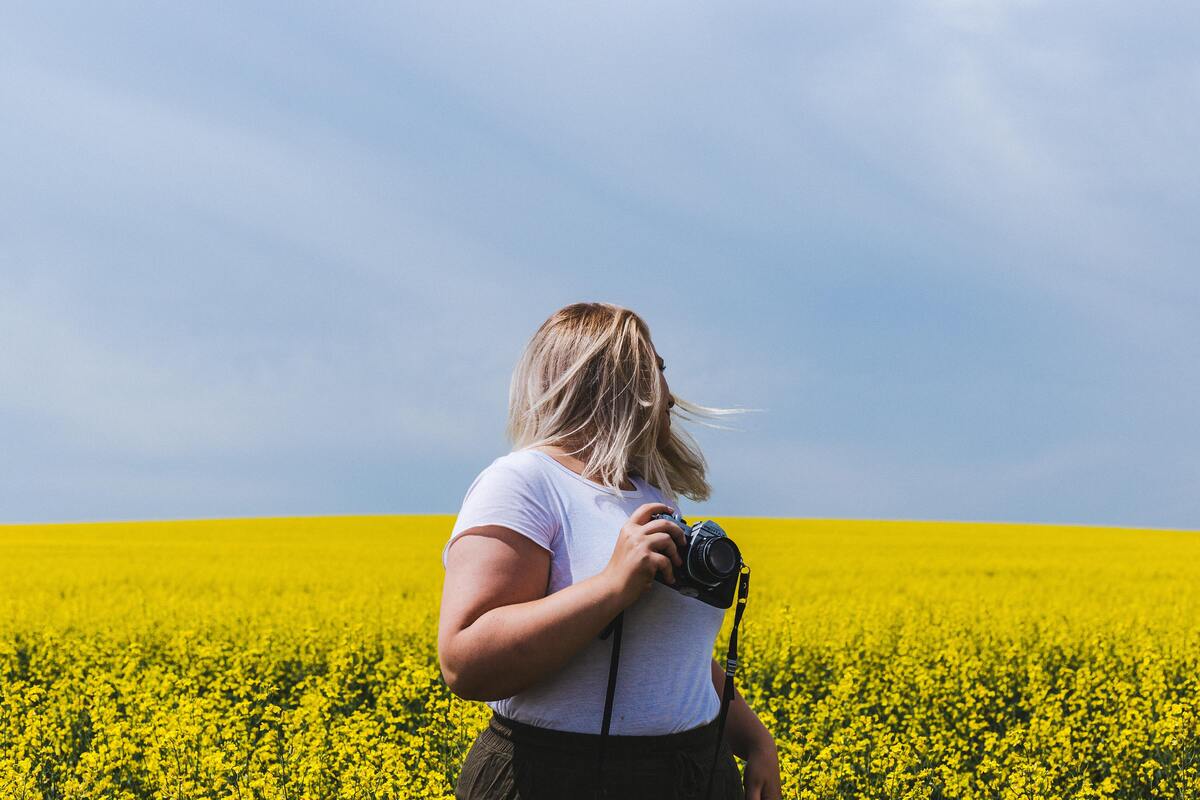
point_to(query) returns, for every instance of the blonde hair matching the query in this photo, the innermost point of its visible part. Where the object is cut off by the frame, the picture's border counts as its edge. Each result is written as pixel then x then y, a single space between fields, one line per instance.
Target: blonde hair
pixel 588 382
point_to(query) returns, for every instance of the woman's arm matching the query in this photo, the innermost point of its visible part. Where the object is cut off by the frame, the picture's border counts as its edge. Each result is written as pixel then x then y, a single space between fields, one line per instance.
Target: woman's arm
pixel 750 740
pixel 498 630
pixel 500 633
pixel 743 728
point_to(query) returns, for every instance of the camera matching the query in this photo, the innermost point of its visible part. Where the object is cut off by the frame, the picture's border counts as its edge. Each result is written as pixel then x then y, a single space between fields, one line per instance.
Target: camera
pixel 711 563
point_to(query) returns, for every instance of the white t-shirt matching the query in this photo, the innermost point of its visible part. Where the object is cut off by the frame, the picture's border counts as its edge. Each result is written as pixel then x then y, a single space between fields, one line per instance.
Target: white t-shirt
pixel 664 679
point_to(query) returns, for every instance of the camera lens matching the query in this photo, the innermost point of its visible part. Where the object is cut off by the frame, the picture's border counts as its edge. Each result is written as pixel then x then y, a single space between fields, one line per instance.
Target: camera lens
pixel 714 559
pixel 721 558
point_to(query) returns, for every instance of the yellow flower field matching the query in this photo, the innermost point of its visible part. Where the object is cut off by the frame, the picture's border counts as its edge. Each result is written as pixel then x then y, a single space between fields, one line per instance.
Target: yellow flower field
pixel 296 658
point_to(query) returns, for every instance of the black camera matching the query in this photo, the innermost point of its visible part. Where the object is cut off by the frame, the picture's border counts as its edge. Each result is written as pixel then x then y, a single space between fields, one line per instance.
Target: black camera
pixel 711 563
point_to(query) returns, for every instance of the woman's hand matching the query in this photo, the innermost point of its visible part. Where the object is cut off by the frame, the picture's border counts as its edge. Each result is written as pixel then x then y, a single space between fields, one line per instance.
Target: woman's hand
pixel 644 548
pixel 760 776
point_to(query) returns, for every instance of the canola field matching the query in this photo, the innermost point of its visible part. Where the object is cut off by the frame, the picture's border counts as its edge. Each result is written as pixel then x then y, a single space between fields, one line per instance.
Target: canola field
pixel 296 658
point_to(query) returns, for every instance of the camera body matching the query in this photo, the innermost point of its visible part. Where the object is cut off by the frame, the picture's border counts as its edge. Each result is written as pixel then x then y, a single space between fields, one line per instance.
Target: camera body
pixel 711 563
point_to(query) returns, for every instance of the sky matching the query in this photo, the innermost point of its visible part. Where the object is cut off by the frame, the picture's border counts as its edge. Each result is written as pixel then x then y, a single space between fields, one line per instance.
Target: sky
pixel 281 260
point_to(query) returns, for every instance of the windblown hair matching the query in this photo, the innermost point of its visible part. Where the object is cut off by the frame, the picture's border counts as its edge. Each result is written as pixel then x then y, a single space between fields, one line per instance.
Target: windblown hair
pixel 588 382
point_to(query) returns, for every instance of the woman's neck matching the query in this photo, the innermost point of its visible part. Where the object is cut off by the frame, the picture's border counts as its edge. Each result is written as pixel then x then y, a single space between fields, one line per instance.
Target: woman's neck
pixel 574 464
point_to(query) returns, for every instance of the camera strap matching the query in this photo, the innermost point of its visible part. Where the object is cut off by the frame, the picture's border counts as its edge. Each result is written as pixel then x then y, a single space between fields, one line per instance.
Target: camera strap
pixel 614 628
pixel 731 663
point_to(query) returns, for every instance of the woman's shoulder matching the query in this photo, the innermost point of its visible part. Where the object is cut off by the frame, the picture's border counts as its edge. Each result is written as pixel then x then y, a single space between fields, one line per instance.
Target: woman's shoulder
pixel 517 467
pixel 526 462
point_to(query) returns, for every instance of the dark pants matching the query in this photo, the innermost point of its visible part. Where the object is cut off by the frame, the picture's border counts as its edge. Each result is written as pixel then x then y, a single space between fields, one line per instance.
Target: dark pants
pixel 511 760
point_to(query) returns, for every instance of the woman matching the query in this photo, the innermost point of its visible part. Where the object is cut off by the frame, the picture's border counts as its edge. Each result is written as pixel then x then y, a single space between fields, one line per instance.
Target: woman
pixel 561 541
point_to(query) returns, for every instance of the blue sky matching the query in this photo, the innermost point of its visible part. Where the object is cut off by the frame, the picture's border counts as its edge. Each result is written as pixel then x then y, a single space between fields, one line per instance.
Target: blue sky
pixel 282 260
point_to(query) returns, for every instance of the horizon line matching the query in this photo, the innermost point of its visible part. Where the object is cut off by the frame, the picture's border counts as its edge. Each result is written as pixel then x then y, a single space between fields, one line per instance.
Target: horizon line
pixel 268 517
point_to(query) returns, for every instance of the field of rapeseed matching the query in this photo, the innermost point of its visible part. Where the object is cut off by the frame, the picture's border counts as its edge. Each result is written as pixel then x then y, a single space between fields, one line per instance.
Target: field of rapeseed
pixel 296 658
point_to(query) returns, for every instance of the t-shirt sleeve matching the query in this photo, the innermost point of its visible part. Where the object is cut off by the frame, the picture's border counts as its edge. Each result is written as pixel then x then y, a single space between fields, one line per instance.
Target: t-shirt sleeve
pixel 503 495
